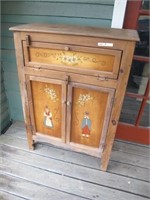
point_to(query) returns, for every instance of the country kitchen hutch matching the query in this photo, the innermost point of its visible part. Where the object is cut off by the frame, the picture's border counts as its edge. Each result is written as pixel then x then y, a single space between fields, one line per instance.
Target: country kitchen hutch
pixel 72 81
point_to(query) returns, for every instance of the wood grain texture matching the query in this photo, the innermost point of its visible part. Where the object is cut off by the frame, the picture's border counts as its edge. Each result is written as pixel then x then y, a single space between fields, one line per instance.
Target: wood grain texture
pixel 94 104
pixel 88 122
pixel 74 171
pixel 72 58
pixel 119 34
pixel 15 140
pixel 61 167
pixel 6 195
pixel 122 83
pixel 93 60
pixel 47 99
pixel 68 15
pixel 75 186
pixel 26 189
pixel 21 75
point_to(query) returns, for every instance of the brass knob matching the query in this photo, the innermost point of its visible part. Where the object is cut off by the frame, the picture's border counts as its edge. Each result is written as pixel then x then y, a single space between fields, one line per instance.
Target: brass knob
pixel 67 48
pixel 68 103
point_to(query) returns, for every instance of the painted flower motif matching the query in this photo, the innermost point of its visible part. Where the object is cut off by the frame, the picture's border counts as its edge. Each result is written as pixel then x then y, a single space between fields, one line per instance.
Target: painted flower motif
pixel 69 59
pixel 83 98
pixel 51 93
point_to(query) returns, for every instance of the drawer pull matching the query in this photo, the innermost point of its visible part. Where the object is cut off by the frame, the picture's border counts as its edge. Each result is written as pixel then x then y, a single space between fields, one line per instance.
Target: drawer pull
pixel 67 48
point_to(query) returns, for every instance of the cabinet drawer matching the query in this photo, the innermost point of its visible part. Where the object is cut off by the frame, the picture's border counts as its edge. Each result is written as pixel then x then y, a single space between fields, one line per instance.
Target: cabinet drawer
pixel 84 60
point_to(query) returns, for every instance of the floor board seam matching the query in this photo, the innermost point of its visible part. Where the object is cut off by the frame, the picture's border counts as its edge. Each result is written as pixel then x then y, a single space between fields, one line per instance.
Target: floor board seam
pixel 34 182
pixel 98 184
pixel 14 194
pixel 34 152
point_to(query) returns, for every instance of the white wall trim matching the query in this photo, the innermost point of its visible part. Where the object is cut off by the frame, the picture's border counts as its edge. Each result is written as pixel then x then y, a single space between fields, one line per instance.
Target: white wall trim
pixel 118 13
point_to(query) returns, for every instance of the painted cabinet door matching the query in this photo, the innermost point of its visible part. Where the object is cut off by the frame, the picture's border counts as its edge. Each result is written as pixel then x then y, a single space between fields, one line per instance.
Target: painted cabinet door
pixel 46 98
pixel 88 114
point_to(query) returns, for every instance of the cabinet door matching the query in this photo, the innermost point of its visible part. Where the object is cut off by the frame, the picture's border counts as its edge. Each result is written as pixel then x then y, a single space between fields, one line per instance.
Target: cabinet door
pixel 46 98
pixel 88 114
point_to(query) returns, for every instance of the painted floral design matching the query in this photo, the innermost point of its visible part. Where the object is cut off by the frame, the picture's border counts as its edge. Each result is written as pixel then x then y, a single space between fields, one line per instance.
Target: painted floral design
pixel 51 93
pixel 70 59
pixel 84 98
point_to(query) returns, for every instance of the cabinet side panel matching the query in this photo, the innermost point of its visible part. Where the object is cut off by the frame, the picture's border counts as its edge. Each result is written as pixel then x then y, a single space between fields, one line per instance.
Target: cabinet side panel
pixel 119 96
pixel 46 99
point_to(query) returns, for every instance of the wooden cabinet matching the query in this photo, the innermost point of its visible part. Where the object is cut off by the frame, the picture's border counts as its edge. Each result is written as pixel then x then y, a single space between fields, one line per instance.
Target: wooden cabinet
pixel 72 82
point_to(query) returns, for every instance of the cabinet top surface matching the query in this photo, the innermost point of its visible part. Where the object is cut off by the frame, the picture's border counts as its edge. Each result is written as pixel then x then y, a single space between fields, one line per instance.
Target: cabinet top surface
pixel 120 34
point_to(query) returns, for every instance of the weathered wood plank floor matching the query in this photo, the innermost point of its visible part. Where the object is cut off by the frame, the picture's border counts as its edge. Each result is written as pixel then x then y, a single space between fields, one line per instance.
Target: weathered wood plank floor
pixel 53 173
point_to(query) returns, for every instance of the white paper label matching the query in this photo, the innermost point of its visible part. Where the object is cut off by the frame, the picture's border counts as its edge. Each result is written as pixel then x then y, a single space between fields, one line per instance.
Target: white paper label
pixel 105 44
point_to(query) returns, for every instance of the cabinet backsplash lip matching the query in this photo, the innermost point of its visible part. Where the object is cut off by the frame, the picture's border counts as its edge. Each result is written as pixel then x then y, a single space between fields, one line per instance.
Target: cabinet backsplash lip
pixel 113 33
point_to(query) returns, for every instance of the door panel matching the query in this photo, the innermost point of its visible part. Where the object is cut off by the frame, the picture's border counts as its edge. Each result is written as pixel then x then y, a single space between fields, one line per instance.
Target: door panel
pixel 47 106
pixel 90 108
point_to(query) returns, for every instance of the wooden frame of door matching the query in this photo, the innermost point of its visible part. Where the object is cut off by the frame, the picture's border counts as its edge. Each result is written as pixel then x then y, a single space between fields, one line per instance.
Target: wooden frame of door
pixel 135 132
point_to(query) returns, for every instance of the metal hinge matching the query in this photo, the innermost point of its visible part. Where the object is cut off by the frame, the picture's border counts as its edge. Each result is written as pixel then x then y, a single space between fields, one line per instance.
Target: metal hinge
pixel 28 40
pixel 67 79
pixel 25 83
pixel 103 147
pixel 112 101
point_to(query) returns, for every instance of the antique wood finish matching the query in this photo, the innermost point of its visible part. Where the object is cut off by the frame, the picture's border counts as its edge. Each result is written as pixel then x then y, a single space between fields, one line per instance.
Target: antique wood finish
pixel 92 103
pixel 20 63
pixel 122 83
pixel 56 173
pixel 94 61
pixel 73 81
pixel 47 94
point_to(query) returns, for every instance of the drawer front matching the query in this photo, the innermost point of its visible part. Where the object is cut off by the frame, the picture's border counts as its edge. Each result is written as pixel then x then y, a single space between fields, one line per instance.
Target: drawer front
pixel 92 61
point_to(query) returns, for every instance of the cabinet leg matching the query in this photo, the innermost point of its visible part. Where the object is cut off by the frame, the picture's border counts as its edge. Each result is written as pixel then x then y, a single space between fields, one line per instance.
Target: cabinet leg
pixel 30 139
pixel 104 164
pixel 106 156
pixel 31 144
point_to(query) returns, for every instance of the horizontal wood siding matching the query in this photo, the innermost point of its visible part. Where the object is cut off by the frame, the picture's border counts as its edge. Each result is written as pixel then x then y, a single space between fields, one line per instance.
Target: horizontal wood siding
pixel 4 108
pixel 79 12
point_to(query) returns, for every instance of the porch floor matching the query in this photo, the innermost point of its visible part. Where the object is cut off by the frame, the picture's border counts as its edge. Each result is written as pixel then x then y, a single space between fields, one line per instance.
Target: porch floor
pixel 53 173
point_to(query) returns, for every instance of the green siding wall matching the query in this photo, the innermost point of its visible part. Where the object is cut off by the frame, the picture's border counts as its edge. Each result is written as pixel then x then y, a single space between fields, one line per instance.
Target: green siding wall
pixel 80 12
pixel 4 109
